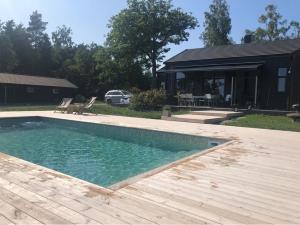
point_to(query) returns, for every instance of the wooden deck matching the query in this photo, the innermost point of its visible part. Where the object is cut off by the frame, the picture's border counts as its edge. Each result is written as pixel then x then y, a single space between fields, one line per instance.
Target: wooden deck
pixel 253 180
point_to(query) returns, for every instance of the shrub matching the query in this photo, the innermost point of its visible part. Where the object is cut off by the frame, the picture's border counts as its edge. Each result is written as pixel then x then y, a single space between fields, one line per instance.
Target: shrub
pixel 134 90
pixel 79 98
pixel 148 100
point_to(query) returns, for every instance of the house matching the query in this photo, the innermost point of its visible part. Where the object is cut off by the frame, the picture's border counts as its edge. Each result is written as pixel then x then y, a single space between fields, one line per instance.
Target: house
pixel 33 89
pixel 265 75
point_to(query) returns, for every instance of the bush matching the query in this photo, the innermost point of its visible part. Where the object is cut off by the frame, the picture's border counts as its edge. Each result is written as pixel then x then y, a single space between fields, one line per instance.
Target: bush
pixel 79 98
pixel 134 90
pixel 148 100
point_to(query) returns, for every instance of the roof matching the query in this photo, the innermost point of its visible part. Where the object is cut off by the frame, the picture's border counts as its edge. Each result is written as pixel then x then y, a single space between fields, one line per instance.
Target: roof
pixel 6 78
pixel 213 68
pixel 240 50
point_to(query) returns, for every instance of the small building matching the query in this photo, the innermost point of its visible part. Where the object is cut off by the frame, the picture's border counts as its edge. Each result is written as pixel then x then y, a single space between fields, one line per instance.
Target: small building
pixel 16 89
pixel 265 75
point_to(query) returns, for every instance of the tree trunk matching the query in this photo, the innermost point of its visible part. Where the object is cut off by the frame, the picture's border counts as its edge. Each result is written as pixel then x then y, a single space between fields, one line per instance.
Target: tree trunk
pixel 154 75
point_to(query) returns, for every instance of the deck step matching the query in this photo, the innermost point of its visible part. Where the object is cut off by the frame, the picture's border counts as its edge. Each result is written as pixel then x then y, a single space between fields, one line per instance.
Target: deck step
pixel 224 114
pixel 195 118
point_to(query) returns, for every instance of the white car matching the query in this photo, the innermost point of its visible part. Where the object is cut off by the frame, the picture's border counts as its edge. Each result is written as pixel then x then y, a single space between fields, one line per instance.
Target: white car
pixel 118 97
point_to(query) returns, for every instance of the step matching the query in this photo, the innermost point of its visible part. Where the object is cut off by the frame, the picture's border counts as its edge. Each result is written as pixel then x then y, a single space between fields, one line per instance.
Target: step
pixel 195 118
pixel 225 114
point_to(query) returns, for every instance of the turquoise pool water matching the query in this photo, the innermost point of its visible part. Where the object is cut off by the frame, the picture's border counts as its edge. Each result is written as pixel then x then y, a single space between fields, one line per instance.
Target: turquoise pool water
pixel 100 154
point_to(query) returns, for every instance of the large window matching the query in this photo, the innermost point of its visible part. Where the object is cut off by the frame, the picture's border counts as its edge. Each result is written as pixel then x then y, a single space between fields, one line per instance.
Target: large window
pixel 215 86
pixel 282 76
pixel 180 82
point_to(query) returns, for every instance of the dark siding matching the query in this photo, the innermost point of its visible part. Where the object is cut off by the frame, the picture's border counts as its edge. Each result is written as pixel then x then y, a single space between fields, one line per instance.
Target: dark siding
pixel 268 96
pixel 41 95
pixel 295 80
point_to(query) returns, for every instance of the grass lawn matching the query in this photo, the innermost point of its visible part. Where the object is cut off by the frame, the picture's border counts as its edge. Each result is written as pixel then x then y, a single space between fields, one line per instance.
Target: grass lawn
pixel 27 108
pixel 99 108
pixel 265 122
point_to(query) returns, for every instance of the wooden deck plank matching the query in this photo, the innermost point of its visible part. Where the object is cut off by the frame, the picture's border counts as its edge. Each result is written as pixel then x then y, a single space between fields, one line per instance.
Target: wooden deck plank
pixel 71 199
pixel 4 220
pixel 16 215
pixel 215 191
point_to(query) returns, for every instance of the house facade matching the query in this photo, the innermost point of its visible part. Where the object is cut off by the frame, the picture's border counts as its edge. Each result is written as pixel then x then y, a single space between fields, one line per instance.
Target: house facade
pixel 263 75
pixel 16 89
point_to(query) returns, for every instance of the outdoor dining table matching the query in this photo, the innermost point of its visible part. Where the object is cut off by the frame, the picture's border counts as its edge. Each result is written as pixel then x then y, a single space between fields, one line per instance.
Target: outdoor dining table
pixel 198 99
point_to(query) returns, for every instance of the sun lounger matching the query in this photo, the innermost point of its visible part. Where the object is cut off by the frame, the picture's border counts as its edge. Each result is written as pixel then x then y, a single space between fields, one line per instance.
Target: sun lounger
pixel 81 108
pixel 64 105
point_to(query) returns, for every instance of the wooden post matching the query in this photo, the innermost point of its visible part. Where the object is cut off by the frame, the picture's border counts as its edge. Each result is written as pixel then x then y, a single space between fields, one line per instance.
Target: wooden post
pixel 256 86
pixel 5 95
pixel 232 83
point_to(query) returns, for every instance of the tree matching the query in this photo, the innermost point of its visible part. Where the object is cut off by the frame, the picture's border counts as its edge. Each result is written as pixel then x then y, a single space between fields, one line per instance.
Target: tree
pixel 295 29
pixel 217 24
pixel 145 28
pixel 41 44
pixel 21 45
pixel 8 60
pixel 115 71
pixel 63 51
pixel 36 28
pixel 274 26
pixel 62 37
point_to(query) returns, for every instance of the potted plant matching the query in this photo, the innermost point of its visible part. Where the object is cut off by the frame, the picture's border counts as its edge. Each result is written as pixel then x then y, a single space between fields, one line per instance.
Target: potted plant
pixel 295 116
pixel 166 111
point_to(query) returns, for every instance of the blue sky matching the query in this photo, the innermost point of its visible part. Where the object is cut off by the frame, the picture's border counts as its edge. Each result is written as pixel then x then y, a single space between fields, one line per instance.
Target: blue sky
pixel 88 18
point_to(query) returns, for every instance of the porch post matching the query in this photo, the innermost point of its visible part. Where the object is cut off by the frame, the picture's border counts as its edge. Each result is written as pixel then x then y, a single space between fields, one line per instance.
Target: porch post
pixel 232 83
pixel 256 84
pixel 5 95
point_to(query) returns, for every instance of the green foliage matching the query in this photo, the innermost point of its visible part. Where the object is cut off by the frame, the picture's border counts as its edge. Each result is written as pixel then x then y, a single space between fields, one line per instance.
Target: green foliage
pixel 79 99
pixel 143 30
pixel 62 37
pixel 116 72
pixel 8 60
pixel 274 26
pixel 94 69
pixel 217 24
pixel 134 90
pixel 149 100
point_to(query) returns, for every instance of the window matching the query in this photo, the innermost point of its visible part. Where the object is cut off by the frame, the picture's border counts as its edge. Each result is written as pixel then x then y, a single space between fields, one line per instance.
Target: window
pixel 281 81
pixel 180 81
pixel 281 84
pixel 30 90
pixel 55 91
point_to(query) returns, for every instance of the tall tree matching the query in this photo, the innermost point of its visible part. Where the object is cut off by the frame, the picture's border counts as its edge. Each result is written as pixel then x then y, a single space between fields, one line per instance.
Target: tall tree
pixel 41 43
pixel 8 60
pixel 21 44
pixel 217 24
pixel 36 28
pixel 63 51
pixel 146 27
pixel 274 26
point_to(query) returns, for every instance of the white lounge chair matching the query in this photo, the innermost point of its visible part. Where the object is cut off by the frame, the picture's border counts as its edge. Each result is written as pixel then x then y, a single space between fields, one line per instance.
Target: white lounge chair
pixel 64 105
pixel 85 107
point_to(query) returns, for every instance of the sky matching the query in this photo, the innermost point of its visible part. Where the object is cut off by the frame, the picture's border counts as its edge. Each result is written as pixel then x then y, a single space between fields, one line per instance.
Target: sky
pixel 89 18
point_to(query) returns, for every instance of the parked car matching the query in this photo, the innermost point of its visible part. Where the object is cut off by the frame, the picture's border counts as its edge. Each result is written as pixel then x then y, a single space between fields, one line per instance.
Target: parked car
pixel 118 97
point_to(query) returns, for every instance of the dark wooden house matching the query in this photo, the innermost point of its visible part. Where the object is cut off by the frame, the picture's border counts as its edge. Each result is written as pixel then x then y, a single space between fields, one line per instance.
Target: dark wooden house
pixel 265 75
pixel 33 89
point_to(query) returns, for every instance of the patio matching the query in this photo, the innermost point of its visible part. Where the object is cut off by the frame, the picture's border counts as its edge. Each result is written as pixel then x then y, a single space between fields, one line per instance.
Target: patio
pixel 253 179
pixel 224 88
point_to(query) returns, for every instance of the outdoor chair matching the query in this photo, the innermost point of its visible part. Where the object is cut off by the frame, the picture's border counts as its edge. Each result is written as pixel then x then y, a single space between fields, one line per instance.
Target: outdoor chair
pixel 64 105
pixel 208 99
pixel 81 108
pixel 189 99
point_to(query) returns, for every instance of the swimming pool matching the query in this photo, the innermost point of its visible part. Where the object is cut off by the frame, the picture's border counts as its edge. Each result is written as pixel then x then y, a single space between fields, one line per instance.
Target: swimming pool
pixel 100 154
